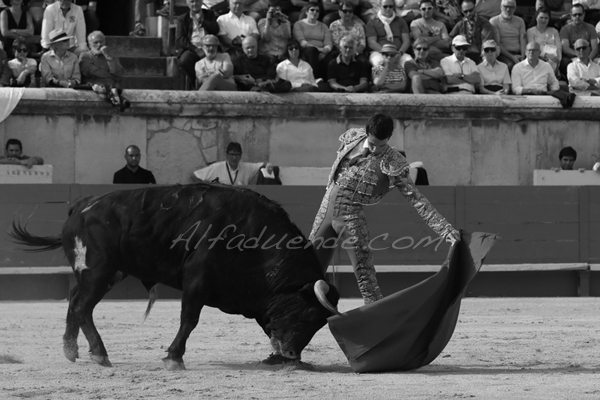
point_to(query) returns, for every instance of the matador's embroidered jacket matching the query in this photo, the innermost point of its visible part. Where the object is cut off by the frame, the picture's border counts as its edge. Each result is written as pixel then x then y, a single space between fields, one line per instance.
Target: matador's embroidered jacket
pixel 370 181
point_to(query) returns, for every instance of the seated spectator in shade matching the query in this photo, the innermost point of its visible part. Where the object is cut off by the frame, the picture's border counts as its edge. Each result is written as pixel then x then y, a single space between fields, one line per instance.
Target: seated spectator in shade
pixel 583 73
pixel 557 10
pixel 425 74
pixel 315 39
pixel 567 158
pixel 14 155
pixel 275 31
pixel 132 172
pixel 435 32
pixel 191 28
pixel 387 28
pixel 495 78
pixel 298 72
pixel 256 72
pixel 577 29
pixel 462 75
pixel 15 23
pixel 22 67
pixel 346 73
pixel 347 25
pixel 389 76
pixel 547 37
pixel 474 28
pixel 232 171
pixel 64 14
pixel 103 71
pixel 215 71
pixel 511 34
pixel 234 27
pixel 532 75
pixel 59 67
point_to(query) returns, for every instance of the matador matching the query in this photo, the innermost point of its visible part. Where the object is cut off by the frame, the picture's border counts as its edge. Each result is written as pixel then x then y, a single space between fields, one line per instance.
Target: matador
pixel 365 170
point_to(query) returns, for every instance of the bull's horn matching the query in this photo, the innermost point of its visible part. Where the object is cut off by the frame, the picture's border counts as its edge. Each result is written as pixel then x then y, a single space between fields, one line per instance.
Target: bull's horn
pixel 321 289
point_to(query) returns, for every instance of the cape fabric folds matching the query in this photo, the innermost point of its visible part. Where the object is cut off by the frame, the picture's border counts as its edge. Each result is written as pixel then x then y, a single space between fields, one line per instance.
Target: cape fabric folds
pixel 410 328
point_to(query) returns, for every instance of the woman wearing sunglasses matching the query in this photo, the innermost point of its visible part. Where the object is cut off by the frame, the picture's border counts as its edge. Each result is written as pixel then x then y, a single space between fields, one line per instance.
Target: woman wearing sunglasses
pixel 296 70
pixel 494 74
pixel 22 68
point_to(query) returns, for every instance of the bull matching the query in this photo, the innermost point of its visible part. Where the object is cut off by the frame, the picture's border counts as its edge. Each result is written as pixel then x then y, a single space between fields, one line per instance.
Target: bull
pixel 223 247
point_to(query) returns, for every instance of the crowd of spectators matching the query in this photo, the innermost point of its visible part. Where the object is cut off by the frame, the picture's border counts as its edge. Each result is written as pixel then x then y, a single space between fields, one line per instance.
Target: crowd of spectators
pixel 378 46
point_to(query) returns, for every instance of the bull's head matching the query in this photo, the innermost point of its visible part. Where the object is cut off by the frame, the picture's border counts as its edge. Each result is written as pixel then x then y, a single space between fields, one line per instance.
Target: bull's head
pixel 292 320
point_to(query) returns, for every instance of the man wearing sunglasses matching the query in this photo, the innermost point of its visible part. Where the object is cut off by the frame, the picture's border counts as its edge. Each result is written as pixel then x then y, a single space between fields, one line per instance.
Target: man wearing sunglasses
pixel 570 33
pixel 475 28
pixel 583 73
pixel 387 28
pixel 462 75
pixel 512 35
pixel 434 32
pixel 232 171
pixel 424 73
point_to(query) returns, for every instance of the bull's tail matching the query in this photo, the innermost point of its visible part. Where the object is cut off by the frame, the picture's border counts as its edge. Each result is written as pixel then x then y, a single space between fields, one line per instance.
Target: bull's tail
pixel 43 243
pixel 152 296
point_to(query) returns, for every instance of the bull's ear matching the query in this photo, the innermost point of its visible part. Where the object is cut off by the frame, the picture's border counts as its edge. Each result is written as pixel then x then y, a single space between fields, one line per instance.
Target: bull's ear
pixel 333 295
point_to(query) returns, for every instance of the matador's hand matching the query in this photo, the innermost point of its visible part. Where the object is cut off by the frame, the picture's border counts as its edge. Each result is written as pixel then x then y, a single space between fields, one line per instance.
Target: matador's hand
pixel 453 237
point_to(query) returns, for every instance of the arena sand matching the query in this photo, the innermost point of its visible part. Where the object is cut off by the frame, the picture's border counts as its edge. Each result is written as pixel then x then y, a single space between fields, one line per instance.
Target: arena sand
pixel 501 349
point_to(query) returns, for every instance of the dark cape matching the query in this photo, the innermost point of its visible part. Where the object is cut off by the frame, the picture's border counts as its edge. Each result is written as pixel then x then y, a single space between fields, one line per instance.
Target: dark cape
pixel 410 328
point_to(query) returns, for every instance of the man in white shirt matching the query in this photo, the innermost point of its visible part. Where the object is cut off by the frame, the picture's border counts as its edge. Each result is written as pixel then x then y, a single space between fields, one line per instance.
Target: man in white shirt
pixel 234 27
pixel 68 16
pixel 583 73
pixel 532 75
pixel 232 171
pixel 461 72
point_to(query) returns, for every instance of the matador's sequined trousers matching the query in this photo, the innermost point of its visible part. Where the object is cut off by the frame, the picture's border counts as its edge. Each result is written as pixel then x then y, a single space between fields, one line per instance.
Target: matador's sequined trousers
pixel 346 221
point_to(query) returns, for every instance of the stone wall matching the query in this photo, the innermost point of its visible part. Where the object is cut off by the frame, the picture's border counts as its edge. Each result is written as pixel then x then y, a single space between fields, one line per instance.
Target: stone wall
pixel 462 140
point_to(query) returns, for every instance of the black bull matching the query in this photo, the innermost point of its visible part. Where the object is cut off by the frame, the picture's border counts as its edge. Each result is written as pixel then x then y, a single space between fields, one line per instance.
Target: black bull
pixel 224 247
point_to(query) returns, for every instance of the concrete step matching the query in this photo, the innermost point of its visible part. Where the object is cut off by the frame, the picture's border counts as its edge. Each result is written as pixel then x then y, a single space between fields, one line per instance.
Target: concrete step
pixel 144 66
pixel 151 82
pixel 130 46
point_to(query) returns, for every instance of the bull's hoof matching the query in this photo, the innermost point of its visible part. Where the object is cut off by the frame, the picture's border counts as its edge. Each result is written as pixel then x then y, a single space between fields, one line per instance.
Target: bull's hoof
pixel 71 351
pixel 278 359
pixel 173 365
pixel 101 360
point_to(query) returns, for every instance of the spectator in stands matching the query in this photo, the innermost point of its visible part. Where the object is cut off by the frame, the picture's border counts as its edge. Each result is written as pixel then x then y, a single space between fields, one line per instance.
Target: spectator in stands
pixel 15 23
pixel 22 67
pixel 495 78
pixel 547 37
pixel 347 25
pixel 232 171
pixel 577 29
pixel 532 75
pixel 191 28
pixel 215 71
pixel 59 67
pixel 389 76
pixel 64 14
pixel 14 155
pixel 257 9
pixel 558 11
pixel 567 157
pixel 298 72
pixel 275 31
pixel 511 34
pixel 315 39
pixel 475 28
pixel 103 71
pixel 592 11
pixel 345 72
pixel 132 172
pixel 256 72
pixel 462 75
pixel 234 27
pixel 435 32
pixel 447 11
pixel 141 11
pixel 36 9
pixel 488 8
pixel 425 74
pixel 387 28
pixel 583 73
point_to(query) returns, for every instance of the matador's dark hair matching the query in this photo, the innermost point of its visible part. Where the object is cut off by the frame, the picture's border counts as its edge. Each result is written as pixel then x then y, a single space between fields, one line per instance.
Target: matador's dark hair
pixel 381 126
